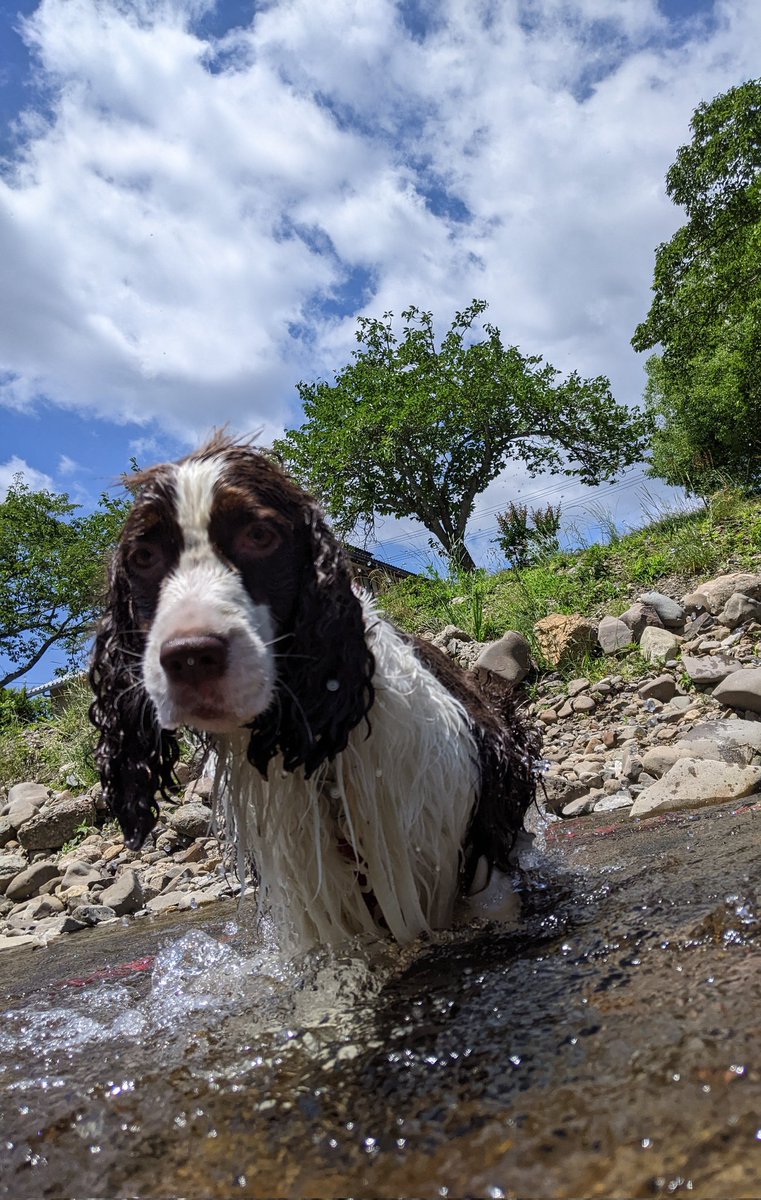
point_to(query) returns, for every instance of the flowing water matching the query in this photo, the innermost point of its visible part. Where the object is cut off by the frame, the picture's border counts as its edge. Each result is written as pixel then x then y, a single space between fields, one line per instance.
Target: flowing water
pixel 606 1046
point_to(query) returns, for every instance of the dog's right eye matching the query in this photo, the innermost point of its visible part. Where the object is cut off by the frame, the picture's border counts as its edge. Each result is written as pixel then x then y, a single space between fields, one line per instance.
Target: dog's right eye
pixel 145 558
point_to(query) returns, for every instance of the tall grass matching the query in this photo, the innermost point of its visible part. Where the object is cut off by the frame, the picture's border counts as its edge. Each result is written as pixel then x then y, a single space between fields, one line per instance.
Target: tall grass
pixel 52 751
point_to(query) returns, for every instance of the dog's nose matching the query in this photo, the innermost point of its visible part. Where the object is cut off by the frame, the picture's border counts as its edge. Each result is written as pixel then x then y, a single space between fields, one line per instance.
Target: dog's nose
pixel 194 659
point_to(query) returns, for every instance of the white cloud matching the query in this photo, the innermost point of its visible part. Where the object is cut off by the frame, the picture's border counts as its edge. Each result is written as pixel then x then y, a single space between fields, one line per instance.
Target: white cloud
pixel 68 466
pixel 177 221
pixel 36 480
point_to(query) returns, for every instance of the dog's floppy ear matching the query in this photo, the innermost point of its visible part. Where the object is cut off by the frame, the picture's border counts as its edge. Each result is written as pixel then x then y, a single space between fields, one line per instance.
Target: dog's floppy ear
pixel 135 757
pixel 324 666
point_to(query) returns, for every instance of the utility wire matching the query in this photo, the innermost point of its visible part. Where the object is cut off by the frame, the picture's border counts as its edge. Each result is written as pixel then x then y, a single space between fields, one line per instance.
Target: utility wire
pixel 416 535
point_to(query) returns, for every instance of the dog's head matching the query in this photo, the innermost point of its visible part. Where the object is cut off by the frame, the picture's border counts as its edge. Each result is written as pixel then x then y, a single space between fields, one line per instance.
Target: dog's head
pixel 230 606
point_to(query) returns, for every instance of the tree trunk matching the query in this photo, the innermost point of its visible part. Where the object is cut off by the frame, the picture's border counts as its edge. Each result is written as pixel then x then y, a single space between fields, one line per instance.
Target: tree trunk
pixel 460 557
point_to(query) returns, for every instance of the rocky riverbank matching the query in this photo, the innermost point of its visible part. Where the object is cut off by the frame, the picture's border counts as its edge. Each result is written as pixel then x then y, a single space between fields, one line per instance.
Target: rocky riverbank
pixel 686 732
pixel 62 869
pixel 683 733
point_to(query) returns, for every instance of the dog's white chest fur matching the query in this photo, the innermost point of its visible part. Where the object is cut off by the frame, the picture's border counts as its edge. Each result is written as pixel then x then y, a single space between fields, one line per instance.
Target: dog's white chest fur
pixel 377 832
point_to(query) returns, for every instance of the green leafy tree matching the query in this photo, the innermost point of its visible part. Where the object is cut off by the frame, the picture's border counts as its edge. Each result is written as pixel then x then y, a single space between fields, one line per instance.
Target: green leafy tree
pixel 51 573
pixel 413 429
pixel 704 388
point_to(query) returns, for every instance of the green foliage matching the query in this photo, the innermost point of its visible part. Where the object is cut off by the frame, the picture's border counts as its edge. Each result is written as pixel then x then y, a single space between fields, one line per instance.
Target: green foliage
pixel 527 535
pixel 49 750
pixel 425 603
pixel 462 599
pixel 82 831
pixel 17 708
pixel 409 428
pixel 51 573
pixel 704 389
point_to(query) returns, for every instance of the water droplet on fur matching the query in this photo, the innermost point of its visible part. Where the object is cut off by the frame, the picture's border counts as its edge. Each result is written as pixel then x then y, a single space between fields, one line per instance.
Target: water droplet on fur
pixel 332 685
pixel 378 772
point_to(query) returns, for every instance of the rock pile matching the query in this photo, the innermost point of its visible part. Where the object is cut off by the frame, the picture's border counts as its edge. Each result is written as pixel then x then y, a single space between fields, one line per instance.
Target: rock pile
pixel 60 873
pixel 686 733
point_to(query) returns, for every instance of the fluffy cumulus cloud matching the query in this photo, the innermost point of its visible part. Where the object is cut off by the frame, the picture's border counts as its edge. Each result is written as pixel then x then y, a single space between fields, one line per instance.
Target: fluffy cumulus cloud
pixel 15 470
pixel 192 220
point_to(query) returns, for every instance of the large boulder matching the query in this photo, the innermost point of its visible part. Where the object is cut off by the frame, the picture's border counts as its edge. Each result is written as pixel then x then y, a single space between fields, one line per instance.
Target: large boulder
pixel 706 670
pixel 559 791
pixel 191 820
pixel 613 635
pixel 77 871
pixel 734 732
pixel 658 644
pixel 662 688
pixel 659 759
pixel 509 657
pixel 57 822
pixel 32 793
pixel 671 614
pixel 562 637
pixel 740 609
pixel 741 689
pixel 638 617
pixel 29 881
pixel 10 866
pixel 691 783
pixel 714 593
pixel 19 812
pixel 125 895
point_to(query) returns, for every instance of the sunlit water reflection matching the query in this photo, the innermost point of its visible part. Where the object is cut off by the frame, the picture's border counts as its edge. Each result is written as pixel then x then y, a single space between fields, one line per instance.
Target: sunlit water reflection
pixel 607 1046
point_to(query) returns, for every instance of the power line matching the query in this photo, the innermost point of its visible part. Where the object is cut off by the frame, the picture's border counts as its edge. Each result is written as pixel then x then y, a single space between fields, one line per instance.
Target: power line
pixel 622 485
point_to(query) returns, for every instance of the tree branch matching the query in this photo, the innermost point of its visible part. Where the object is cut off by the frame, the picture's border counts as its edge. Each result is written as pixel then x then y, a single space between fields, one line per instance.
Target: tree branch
pixel 43 649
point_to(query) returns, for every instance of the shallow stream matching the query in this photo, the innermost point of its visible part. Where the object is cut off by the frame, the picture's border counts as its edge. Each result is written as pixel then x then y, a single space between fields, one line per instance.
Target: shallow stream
pixel 608 1046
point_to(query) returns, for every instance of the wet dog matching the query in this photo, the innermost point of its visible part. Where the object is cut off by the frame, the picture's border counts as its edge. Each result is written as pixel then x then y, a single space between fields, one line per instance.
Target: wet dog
pixel 365 774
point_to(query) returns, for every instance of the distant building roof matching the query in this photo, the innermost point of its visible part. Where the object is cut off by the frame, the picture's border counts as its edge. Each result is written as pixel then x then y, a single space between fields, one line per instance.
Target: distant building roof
pixel 55 685
pixel 366 566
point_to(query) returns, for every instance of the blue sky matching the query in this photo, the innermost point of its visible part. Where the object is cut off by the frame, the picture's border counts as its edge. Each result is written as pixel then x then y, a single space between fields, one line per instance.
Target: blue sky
pixel 198 200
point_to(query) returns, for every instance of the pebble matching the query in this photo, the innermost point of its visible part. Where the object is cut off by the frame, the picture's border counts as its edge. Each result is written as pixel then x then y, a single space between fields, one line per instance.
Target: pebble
pixel 125 895
pixel 662 688
pixel 93 914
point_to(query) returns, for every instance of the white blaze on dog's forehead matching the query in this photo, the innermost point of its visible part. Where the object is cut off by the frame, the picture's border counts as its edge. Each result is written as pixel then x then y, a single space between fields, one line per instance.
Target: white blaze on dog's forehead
pixel 194 483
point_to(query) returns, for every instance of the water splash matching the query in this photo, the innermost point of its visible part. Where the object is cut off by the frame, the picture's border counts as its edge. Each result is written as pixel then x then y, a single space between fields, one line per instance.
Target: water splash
pixel 191 975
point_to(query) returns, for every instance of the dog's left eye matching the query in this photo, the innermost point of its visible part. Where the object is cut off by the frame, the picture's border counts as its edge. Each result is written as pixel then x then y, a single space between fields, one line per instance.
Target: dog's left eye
pixel 256 541
pixel 146 558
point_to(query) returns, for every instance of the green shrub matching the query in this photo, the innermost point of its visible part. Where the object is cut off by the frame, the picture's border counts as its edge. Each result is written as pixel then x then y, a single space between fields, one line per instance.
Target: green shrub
pixel 19 708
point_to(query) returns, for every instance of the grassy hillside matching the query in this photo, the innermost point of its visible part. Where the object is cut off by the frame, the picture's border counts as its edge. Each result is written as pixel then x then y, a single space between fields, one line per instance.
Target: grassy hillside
pixel 673 552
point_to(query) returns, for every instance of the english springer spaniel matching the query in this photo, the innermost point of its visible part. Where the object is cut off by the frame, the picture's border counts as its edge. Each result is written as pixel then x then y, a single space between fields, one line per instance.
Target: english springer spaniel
pixel 365 775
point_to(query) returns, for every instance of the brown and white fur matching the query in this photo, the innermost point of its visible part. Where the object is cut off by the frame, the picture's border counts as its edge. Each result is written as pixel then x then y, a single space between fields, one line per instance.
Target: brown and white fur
pixel 362 771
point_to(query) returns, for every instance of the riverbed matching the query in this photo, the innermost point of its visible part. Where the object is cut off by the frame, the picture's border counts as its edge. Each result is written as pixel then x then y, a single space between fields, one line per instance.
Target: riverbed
pixel 608 1045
